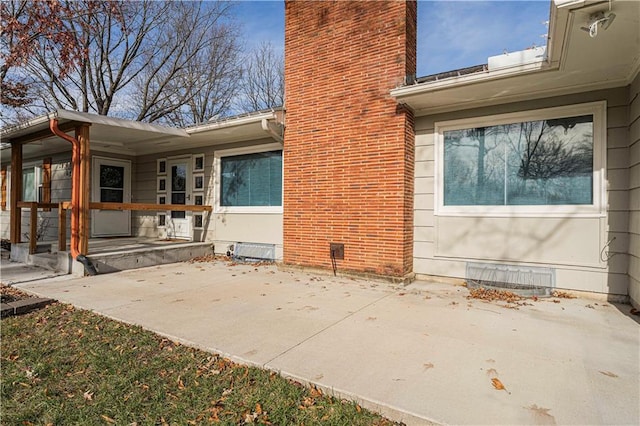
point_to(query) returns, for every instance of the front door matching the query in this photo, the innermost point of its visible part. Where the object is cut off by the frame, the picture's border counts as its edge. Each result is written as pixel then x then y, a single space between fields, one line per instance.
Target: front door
pixel 179 225
pixel 111 183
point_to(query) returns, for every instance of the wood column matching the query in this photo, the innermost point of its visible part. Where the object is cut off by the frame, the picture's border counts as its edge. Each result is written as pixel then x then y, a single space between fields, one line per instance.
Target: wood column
pixel 82 135
pixel 16 192
pixel 62 227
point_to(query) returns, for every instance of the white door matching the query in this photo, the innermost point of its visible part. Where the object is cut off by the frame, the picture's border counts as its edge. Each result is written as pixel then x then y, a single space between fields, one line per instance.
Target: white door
pixel 179 180
pixel 111 183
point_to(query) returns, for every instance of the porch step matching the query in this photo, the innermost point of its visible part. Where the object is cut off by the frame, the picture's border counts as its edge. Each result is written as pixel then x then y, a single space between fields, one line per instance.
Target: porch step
pixel 143 257
pixel 44 257
pixel 58 261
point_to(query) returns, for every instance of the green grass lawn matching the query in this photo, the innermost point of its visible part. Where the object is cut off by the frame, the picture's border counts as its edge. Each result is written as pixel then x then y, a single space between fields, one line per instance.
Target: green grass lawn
pixel 62 366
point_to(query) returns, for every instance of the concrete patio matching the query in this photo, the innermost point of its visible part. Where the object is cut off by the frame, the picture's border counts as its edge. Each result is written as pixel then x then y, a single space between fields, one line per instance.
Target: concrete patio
pixel 419 354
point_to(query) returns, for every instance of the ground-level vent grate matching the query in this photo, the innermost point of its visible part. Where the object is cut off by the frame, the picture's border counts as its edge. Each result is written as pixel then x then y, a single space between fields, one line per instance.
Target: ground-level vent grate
pixel 255 251
pixel 522 280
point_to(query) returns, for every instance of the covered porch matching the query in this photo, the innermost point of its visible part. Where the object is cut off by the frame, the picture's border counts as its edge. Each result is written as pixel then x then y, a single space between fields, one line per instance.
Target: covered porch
pixel 55 133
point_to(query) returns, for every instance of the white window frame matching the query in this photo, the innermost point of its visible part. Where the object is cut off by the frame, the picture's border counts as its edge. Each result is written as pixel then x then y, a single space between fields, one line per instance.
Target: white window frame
pixel 596 209
pixel 218 179
pixel 37 169
pixel 195 162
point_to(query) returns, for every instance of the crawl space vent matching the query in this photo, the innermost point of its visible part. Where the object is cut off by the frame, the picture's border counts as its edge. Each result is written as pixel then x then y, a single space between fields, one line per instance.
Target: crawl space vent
pixel 254 251
pixel 522 280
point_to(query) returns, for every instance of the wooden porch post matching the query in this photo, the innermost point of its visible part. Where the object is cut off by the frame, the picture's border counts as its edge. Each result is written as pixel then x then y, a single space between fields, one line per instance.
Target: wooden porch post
pixel 62 227
pixel 16 192
pixel 33 228
pixel 82 135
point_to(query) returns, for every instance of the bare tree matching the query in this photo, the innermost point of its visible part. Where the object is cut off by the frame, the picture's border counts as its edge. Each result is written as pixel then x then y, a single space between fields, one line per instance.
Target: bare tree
pixel 142 60
pixel 263 82
pixel 27 25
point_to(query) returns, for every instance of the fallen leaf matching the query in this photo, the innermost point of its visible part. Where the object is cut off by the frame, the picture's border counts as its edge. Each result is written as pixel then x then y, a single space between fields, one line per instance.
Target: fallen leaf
pixel 497 384
pixel 562 295
pixel 609 373
pixel 634 311
pixel 427 366
pixel 88 395
pixel 315 392
pixel 258 409
pixel 358 408
pixel 107 419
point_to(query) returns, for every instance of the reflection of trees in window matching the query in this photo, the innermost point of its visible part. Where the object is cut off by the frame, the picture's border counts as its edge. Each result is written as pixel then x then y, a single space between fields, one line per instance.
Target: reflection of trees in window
pixel 178 178
pixel 535 162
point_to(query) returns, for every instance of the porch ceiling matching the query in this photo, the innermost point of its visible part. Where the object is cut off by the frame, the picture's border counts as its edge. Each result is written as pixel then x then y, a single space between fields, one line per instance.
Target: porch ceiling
pixel 133 138
pixel 576 62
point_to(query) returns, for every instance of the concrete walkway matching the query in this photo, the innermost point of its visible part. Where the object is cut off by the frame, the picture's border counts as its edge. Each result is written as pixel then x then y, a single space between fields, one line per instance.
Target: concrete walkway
pixel 418 354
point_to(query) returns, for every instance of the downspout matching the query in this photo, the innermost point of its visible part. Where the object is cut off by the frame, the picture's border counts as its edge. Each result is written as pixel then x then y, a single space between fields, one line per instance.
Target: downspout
pixel 75 197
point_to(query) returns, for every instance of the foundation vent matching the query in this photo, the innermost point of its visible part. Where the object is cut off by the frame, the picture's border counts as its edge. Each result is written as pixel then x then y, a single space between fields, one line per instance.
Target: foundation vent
pixel 255 251
pixel 522 280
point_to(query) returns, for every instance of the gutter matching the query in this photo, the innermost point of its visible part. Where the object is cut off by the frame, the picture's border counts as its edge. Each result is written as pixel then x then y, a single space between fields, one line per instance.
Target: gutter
pixel 275 130
pixel 251 119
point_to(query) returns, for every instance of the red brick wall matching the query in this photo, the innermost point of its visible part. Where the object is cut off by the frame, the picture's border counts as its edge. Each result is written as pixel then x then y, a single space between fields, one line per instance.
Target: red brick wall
pixel 349 148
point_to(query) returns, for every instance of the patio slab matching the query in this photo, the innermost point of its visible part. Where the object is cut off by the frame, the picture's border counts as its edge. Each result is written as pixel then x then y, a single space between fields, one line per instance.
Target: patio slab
pixel 419 354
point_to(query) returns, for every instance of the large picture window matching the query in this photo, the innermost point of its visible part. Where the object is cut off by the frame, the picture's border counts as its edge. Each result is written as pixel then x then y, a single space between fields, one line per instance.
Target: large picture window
pixel 548 160
pixel 251 180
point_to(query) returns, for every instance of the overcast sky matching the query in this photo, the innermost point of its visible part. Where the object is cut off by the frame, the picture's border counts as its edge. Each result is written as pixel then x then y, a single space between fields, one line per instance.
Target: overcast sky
pixel 452 34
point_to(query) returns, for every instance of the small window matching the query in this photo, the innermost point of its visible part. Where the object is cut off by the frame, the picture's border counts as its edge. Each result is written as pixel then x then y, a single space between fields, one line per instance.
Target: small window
pixel 197 221
pixel 198 200
pixel 162 166
pixel 111 184
pixel 162 184
pixel 162 199
pixel 198 182
pixel 251 180
pixel 32 184
pixel 162 220
pixel 198 163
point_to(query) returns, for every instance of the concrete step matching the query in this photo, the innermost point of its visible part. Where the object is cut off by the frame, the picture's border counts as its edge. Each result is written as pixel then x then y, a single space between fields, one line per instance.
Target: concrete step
pixel 143 257
pixel 58 261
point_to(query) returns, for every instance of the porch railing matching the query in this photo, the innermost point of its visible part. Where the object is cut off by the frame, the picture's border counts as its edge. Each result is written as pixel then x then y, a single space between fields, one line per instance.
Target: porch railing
pixel 63 206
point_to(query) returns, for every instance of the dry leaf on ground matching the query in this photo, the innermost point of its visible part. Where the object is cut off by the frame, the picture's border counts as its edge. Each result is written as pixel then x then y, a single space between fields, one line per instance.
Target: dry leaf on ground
pixel 491 295
pixel 562 295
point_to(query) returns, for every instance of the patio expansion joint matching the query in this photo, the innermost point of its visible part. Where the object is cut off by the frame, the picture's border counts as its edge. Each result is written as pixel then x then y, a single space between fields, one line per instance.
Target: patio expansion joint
pixel 349 315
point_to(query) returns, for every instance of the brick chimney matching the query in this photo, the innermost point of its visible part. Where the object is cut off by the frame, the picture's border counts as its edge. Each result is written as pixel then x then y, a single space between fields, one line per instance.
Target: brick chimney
pixel 349 147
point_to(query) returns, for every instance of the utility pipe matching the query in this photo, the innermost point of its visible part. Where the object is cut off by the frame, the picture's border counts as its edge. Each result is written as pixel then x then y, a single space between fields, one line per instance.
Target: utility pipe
pixel 75 186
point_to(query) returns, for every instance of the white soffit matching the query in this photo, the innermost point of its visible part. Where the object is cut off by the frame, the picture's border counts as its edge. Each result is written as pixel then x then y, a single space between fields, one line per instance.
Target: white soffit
pixel 127 137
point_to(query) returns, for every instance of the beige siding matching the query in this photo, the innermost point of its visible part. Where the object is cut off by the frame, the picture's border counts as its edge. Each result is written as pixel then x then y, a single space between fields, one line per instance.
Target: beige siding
pixel 572 246
pixel 634 192
pixel 60 191
pixel 221 229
